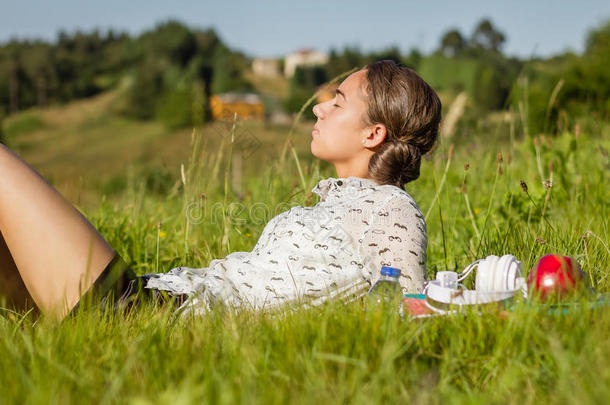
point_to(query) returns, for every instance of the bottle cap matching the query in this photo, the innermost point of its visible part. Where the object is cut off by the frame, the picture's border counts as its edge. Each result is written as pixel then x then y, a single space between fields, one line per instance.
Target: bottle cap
pixel 390 271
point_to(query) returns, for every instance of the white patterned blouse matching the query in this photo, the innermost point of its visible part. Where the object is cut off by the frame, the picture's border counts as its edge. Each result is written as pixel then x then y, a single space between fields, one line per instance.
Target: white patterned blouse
pixel 336 247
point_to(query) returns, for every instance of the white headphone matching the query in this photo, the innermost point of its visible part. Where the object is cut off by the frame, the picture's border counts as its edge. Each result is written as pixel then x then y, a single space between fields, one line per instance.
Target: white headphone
pixel 498 279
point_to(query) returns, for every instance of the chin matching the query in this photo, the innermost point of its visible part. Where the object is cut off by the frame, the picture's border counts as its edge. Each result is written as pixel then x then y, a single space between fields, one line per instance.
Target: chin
pixel 314 149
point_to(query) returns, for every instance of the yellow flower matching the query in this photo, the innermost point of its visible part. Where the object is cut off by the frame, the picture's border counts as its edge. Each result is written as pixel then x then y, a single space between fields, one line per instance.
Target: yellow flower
pixel 248 235
pixel 476 211
pixel 162 234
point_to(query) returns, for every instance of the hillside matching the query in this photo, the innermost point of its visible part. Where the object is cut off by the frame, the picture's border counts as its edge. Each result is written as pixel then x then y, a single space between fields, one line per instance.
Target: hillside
pixel 84 145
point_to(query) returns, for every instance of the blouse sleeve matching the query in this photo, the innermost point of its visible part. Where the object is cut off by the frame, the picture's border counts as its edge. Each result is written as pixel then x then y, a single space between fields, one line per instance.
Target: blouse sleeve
pixel 396 237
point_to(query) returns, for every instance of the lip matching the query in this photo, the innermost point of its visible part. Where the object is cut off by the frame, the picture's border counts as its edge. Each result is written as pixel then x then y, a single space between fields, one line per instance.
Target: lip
pixel 315 131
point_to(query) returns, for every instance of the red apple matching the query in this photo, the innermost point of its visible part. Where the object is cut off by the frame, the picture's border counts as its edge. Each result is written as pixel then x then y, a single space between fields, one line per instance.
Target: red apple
pixel 555 276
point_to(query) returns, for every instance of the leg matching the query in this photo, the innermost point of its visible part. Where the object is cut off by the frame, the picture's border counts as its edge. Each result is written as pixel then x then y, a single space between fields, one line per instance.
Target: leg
pixel 12 288
pixel 59 254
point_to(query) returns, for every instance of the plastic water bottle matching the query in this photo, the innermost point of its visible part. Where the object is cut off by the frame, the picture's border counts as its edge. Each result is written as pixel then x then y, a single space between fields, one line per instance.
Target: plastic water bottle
pixel 386 292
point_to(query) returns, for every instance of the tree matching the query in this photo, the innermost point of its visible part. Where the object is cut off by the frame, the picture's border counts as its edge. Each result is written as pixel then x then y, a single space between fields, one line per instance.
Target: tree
pixel 494 78
pixel 452 43
pixel 391 53
pixel 338 63
pixel 229 68
pixel 414 58
pixel 207 41
pixel 587 79
pixel 303 85
pixel 172 41
pixel 487 37
pixel 145 90
pixel 15 75
pixel 39 67
pixel 77 61
pixel 598 40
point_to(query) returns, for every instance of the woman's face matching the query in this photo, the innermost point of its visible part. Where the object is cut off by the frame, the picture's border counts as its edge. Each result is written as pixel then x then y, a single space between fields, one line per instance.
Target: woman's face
pixel 339 131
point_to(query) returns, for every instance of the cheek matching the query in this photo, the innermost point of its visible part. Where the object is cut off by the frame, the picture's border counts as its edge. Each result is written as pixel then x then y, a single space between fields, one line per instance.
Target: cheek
pixel 347 137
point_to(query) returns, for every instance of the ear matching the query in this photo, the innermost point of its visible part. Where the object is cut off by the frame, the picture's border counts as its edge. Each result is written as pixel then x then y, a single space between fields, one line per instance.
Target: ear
pixel 375 135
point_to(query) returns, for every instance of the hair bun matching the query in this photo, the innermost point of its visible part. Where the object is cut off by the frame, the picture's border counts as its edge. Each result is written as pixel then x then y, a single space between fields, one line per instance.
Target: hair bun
pixel 396 163
pixel 410 110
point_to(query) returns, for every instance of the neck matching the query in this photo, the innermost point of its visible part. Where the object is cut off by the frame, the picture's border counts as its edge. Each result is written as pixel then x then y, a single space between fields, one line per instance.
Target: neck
pixel 357 168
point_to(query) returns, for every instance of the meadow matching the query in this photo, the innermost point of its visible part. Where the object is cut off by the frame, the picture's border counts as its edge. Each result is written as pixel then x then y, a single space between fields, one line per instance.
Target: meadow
pixel 165 199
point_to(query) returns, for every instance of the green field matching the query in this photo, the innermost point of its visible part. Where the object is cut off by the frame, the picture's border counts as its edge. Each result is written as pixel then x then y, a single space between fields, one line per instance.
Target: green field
pixel 126 176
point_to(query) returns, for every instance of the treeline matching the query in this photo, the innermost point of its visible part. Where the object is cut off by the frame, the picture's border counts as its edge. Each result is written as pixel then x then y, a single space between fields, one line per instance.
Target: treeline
pixel 475 65
pixel 545 90
pixel 167 72
pixel 553 90
pixel 39 73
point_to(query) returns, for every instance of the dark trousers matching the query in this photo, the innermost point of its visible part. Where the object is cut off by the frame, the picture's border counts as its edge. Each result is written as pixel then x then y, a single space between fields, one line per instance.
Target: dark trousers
pixel 118 287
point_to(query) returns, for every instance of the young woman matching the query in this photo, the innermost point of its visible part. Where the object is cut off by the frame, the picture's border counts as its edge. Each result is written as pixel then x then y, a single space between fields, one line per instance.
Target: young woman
pixel 382 120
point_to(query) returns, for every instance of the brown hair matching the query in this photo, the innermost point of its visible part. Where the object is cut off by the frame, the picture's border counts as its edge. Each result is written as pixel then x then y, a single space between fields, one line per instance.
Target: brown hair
pixel 410 109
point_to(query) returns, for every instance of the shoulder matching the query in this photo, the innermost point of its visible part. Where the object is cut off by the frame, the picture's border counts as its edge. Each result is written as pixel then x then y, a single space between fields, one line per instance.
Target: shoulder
pixel 396 207
pixel 399 198
pixel 388 195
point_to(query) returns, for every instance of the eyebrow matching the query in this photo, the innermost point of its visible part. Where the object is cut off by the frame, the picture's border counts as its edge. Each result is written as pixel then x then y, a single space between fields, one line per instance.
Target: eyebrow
pixel 341 93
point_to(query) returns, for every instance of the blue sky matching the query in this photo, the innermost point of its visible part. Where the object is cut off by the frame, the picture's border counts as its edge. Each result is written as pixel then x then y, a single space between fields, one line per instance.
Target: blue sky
pixel 273 28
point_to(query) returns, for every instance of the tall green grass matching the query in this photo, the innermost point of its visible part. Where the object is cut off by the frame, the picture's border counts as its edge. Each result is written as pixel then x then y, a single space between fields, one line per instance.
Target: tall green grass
pixel 483 194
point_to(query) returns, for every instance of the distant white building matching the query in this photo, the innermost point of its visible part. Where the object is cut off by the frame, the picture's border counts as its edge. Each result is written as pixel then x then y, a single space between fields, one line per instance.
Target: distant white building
pixel 303 57
pixel 265 67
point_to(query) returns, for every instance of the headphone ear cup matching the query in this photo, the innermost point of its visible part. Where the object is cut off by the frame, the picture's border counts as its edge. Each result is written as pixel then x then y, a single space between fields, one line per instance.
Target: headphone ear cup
pixel 514 272
pixel 503 275
pixel 485 273
pixel 494 275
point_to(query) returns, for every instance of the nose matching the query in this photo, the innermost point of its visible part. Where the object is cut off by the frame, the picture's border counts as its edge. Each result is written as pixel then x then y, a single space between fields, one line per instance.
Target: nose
pixel 317 110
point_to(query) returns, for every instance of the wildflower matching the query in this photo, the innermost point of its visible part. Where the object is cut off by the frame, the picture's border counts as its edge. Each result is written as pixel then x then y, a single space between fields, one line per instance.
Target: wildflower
pixel 548 184
pixel 499 159
pixel 476 211
pixel 466 166
pixel 162 234
pixel 248 234
pixel 540 241
pixel 523 185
